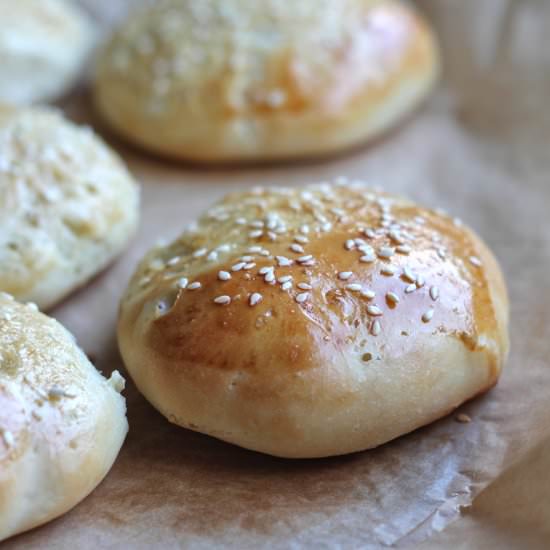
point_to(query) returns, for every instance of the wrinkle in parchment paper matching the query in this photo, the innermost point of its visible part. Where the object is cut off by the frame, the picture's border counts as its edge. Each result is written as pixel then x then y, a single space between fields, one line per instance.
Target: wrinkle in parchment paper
pixel 479 149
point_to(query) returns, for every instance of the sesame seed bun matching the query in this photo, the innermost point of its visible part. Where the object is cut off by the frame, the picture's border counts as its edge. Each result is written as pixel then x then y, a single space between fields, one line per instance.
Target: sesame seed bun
pixel 67 205
pixel 61 423
pixel 386 317
pixel 43 46
pixel 237 80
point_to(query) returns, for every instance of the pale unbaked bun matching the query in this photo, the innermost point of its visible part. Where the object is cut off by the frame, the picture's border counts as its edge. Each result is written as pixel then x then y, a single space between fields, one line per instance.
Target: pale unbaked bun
pixel 315 321
pixel 67 205
pixel 214 80
pixel 43 46
pixel 61 423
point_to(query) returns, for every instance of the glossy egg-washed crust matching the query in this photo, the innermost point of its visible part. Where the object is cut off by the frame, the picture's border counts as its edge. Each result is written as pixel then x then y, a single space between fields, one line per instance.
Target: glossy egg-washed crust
pixel 263 79
pixel 68 205
pixel 61 423
pixel 308 373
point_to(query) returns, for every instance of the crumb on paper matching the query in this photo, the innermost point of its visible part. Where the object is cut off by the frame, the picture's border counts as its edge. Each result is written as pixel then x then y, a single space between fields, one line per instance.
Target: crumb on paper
pixel 463 418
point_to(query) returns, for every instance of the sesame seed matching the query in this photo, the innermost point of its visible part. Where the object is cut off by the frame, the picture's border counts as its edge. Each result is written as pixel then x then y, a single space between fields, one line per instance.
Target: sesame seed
pixel 409 275
pixel 297 248
pixel 441 253
pixel 284 279
pixel 428 315
pixel 345 275
pixel 420 220
pixel 224 275
pixel 309 263
pixel 302 239
pixel 353 287
pixel 395 236
pixel 264 253
pixel 272 236
pixel 385 252
pixel 255 298
pixel 369 233
pixel 474 260
pixel 246 258
pixel 240 221
pixel 269 277
pixel 349 244
pixel 156 265
pixel 376 328
pixel 420 281
pixel 212 256
pixel 255 234
pixel 304 229
pixel 368 294
pixel 304 286
pixel 303 259
pixel 194 286
pixel 375 311
pixel 258 224
pixel 173 261
pixel 392 297
pixel 249 266
pixel 410 288
pixel 238 266
pixel 283 261
pixel 183 282
pixel 286 285
pixel 55 393
pixel 8 438
pixel 266 269
pixel 366 249
pixel 403 249
pixel 302 297
pixel 222 300
pixel 367 258
pixel 200 252
pixel 272 224
pixel 254 249
pixel 144 281
pixel 434 293
pixel 388 270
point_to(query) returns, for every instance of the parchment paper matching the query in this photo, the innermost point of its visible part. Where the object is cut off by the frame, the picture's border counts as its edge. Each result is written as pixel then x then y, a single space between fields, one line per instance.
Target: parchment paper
pixel 480 149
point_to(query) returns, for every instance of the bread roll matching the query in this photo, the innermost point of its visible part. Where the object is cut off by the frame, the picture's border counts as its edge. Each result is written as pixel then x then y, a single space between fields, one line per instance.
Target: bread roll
pixel 43 46
pixel 61 423
pixel 315 321
pixel 67 205
pixel 252 80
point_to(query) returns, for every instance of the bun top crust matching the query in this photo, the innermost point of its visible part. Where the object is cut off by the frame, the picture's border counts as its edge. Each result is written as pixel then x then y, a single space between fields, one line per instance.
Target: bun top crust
pixel 37 63
pixel 240 71
pixel 67 204
pixel 282 280
pixel 61 422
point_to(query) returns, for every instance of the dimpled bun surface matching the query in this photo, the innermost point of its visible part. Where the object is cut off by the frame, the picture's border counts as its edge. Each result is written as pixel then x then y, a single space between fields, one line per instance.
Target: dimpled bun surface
pixel 67 205
pixel 213 80
pixel 315 321
pixel 61 423
pixel 43 46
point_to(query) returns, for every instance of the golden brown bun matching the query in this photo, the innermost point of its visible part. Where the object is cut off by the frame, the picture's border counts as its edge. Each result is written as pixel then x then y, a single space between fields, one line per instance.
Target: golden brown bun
pixel 67 205
pixel 61 423
pixel 326 375
pixel 208 80
pixel 43 47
